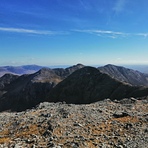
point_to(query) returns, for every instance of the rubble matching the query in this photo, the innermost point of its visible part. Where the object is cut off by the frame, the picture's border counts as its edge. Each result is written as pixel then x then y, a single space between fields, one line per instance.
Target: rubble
pixel 104 124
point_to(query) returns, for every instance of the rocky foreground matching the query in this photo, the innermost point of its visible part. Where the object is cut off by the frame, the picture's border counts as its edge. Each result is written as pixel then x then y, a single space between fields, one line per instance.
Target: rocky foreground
pixel 104 124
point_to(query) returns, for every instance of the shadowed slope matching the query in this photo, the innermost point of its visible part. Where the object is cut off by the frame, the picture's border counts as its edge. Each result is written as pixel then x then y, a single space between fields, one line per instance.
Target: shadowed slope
pixel 7 79
pixel 28 90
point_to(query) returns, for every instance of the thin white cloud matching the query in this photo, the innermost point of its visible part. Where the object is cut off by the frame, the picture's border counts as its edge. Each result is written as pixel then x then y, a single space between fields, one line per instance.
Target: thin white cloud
pixel 105 33
pixel 119 5
pixel 101 33
pixel 82 4
pixel 111 34
pixel 142 34
pixel 29 31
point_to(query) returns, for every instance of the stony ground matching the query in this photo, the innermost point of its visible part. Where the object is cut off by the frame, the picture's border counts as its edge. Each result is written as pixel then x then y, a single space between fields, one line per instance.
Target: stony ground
pixel 104 124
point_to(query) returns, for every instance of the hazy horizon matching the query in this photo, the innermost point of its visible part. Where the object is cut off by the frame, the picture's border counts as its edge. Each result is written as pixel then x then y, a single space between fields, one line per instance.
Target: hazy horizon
pixel 56 32
pixel 140 67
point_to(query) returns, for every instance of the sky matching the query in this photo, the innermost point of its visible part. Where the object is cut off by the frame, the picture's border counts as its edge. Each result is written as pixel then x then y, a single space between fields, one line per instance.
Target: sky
pixel 67 32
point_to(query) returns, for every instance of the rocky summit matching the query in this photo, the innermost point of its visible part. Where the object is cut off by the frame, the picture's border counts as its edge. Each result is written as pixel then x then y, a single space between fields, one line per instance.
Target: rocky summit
pixel 103 124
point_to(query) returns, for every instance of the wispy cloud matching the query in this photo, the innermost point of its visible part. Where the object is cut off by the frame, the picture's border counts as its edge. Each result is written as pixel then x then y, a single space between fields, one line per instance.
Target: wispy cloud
pixel 101 33
pixel 82 4
pixel 29 31
pixel 105 33
pixel 111 34
pixel 119 5
pixel 142 34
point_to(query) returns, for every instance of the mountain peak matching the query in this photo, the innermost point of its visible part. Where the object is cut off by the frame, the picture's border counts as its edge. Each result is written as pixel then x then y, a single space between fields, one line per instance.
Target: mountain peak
pixel 78 66
pixel 88 85
pixel 125 74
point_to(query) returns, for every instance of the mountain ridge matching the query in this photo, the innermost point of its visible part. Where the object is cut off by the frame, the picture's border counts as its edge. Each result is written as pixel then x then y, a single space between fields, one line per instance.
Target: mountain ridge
pixel 30 89
pixel 88 85
pixel 127 75
pixel 82 84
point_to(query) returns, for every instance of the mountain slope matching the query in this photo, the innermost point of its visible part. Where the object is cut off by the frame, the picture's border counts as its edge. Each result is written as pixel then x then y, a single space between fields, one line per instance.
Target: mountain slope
pixel 125 75
pixel 89 85
pixel 28 90
pixel 7 79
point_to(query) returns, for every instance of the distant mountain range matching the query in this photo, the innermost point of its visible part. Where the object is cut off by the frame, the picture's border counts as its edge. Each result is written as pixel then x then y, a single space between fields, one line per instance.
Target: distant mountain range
pixel 19 70
pixel 76 84
pixel 141 68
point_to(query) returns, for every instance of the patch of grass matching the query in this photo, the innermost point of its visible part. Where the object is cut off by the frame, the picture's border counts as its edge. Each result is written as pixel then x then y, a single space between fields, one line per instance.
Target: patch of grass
pixel 127 119
pixel 4 140
pixel 33 129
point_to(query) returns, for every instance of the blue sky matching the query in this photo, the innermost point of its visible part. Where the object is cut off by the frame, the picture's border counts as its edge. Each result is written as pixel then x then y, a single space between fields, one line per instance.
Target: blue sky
pixel 66 32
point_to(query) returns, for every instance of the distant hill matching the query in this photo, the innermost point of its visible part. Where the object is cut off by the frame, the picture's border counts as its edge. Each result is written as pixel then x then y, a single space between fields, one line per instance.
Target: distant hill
pixel 141 68
pixel 123 74
pixel 89 85
pixel 19 70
